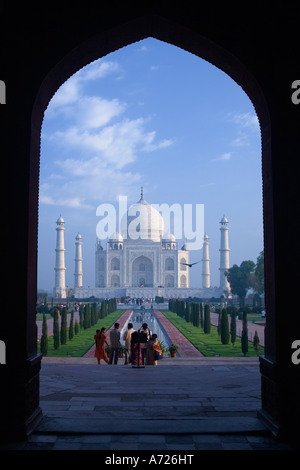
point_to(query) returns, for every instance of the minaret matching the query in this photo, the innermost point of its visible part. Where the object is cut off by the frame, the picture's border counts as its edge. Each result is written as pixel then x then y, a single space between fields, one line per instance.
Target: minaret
pixel 224 255
pixel 205 264
pixel 78 261
pixel 60 283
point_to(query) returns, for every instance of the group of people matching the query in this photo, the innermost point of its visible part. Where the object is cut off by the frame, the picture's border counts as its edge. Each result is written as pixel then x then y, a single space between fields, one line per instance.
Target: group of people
pixel 137 351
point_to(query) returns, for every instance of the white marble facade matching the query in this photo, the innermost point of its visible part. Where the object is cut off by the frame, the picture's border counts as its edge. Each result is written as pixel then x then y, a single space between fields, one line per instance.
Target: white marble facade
pixel 142 262
pixel 152 260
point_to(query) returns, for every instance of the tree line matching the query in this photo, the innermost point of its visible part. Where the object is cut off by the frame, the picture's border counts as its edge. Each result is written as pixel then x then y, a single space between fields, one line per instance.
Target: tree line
pixel 194 313
pixel 248 275
pixel 89 315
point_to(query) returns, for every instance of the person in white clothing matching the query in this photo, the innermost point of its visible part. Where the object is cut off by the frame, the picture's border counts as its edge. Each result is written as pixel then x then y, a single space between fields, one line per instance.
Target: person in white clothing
pixel 127 339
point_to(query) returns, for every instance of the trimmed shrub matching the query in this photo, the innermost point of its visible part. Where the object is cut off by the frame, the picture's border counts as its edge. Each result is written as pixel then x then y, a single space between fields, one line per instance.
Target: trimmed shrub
pixel 44 338
pixel 256 342
pixel 71 327
pixel 55 330
pixel 244 339
pixel 63 326
pixel 188 312
pixel 206 328
pixel 224 327
pixel 233 326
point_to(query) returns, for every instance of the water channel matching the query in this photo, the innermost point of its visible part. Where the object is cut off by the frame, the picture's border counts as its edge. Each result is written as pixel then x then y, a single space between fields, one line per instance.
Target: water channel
pixel 138 317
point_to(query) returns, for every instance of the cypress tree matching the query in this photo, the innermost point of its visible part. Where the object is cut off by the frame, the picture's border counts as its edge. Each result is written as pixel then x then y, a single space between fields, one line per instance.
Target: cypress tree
pixel 192 312
pixel 201 316
pixel 55 330
pixel 95 311
pixel 92 315
pixel 71 327
pixel 63 326
pixel 233 326
pixel 224 327
pixel 81 316
pixel 219 321
pixel 206 328
pixel 103 311
pixel 44 338
pixel 187 311
pixel 76 327
pixel 182 308
pixel 244 340
pixel 197 314
pixel 256 342
pixel 86 317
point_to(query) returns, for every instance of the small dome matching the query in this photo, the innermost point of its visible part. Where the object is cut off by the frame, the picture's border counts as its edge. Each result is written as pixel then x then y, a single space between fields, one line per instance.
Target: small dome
pixel 168 237
pixel 224 220
pixel 116 236
pixel 78 236
pixel 60 220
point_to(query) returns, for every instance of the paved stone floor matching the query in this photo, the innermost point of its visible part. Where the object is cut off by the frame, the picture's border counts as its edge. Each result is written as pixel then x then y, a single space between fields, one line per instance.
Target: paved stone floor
pixel 181 405
pixel 187 405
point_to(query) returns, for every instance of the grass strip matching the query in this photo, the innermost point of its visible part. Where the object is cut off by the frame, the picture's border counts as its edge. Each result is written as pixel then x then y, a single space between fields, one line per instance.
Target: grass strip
pixel 209 344
pixel 84 340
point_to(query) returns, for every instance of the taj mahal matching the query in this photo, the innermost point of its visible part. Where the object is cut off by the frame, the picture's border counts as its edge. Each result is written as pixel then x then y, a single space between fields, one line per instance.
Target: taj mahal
pixel 144 266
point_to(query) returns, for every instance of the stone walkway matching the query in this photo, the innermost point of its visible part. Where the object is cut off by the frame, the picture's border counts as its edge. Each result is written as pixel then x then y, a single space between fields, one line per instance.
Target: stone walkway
pixel 122 321
pixel 186 349
pixel 187 404
pixel 252 327
pixel 182 405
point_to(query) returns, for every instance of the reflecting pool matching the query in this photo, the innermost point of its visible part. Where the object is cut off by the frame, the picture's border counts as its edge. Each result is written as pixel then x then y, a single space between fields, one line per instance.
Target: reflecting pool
pixel 138 317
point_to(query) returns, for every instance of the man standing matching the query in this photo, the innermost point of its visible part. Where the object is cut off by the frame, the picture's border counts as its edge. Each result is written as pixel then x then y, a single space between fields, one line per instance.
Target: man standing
pixel 114 344
pixel 127 339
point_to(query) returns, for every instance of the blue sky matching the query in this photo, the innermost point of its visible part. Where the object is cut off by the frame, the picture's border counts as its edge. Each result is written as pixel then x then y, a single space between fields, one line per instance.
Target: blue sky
pixel 151 115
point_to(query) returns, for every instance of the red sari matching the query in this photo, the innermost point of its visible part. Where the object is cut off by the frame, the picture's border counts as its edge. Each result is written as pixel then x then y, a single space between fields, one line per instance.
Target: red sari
pixel 100 350
pixel 152 346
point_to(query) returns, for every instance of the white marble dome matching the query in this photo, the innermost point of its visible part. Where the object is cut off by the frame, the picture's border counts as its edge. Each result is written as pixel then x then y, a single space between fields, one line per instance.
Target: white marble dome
pixel 144 222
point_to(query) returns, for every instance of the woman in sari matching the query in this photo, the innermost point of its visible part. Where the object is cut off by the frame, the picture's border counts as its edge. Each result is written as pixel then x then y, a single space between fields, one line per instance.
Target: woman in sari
pixel 153 347
pixel 100 338
pixel 136 351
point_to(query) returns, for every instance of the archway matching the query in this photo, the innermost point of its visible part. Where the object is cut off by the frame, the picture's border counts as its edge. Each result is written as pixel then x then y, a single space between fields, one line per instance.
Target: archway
pixel 142 272
pixel 222 49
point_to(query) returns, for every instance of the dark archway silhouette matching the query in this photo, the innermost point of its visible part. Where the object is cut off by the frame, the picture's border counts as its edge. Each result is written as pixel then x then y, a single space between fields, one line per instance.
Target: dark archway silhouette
pixel 217 37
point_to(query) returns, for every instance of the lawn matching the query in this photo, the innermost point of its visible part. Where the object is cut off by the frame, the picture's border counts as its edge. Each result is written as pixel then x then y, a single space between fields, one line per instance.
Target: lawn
pixel 83 341
pixel 209 344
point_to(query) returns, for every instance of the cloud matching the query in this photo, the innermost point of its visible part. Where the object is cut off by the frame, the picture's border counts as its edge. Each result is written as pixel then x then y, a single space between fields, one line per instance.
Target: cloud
pixel 224 157
pixel 72 90
pixel 116 144
pixel 245 120
pixel 97 141
pixel 247 126
pixel 241 141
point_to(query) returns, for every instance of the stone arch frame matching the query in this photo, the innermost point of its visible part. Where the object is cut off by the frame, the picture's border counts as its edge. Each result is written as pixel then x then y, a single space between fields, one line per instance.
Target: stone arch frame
pixel 115 280
pixel 169 280
pixel 165 27
pixel 143 276
pixel 168 31
pixel 115 264
pixel 182 267
pixel 183 280
pixel 169 264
